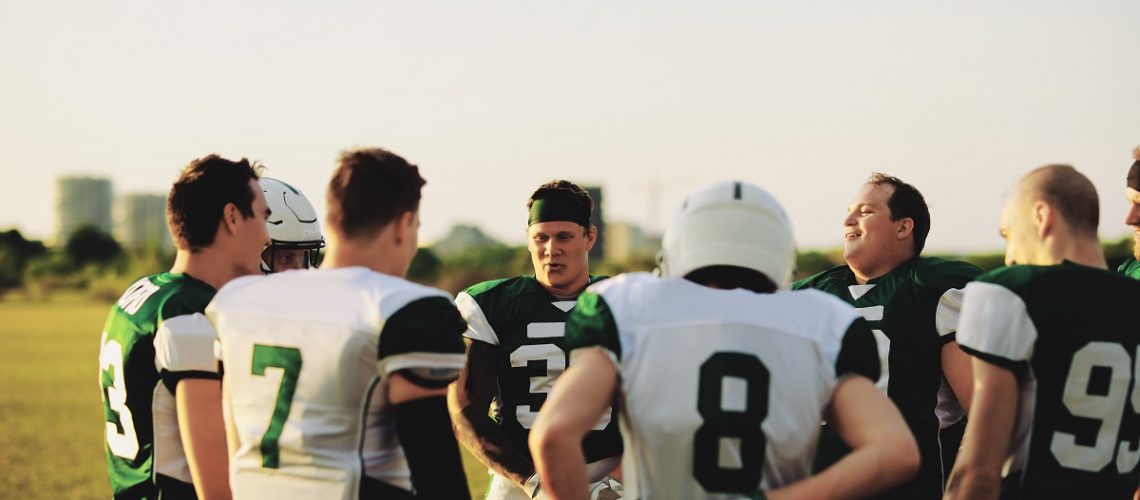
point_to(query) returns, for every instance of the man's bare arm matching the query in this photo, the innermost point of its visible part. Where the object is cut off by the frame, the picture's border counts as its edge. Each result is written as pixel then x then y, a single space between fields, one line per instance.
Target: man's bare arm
pixel 957 369
pixel 583 393
pixel 977 470
pixel 884 453
pixel 199 408
pixel 469 401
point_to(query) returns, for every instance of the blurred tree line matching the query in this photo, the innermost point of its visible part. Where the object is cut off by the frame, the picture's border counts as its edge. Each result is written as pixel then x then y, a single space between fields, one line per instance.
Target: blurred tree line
pixel 92 262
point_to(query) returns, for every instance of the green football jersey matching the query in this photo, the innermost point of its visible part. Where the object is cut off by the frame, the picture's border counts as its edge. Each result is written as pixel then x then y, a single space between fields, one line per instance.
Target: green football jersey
pixel 526 325
pixel 154 336
pixel 1130 268
pixel 913 313
pixel 1071 334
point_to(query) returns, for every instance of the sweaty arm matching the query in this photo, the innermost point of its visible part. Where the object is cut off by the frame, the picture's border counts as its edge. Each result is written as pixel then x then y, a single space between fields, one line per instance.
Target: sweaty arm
pixel 469 402
pixel 956 367
pixel 184 354
pixel 199 406
pixel 583 393
pixel 955 362
pixel 977 471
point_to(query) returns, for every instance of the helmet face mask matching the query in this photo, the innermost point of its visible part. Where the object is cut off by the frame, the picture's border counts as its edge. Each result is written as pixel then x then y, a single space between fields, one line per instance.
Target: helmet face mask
pixel 730 224
pixel 292 226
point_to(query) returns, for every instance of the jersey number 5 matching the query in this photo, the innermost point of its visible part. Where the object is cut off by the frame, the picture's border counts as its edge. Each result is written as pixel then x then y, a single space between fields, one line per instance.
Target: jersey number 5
pixel 739 424
pixel 288 359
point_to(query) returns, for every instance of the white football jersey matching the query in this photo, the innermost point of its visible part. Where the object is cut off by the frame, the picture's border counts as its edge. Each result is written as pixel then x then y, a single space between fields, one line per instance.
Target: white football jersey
pixel 306 356
pixel 723 391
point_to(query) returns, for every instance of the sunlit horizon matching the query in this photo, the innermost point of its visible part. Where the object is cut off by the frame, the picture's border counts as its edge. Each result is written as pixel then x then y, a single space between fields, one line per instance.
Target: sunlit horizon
pixel 648 100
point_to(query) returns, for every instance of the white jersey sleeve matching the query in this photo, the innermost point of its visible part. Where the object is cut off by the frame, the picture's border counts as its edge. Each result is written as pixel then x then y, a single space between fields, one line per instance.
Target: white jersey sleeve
pixel 478 328
pixel 995 325
pixel 184 347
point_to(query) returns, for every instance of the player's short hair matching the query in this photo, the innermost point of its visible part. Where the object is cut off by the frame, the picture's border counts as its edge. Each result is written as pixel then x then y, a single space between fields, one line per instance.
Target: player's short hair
pixel 370 189
pixel 732 277
pixel 561 188
pixel 906 202
pixel 197 200
pixel 1069 192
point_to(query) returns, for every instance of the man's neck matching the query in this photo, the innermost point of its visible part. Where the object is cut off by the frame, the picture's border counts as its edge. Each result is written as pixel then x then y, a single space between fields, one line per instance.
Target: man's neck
pixel 876 270
pixel 348 255
pixel 1083 251
pixel 207 265
pixel 567 293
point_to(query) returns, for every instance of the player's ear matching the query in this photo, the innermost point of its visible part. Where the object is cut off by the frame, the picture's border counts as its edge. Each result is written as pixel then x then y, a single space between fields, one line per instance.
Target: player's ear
pixel 906 227
pixel 1043 217
pixel 230 217
pixel 591 237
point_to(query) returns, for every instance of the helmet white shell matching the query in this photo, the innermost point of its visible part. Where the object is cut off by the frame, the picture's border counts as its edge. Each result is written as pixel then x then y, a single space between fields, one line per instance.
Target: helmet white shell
pixel 292 223
pixel 732 224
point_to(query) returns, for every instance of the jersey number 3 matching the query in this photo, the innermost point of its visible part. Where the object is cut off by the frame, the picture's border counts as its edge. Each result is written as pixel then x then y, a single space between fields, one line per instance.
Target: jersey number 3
pixel 288 359
pixel 123 444
pixel 739 424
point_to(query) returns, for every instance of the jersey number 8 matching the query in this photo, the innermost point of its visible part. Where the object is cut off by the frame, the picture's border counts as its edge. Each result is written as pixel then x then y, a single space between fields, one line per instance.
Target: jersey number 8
pixel 741 424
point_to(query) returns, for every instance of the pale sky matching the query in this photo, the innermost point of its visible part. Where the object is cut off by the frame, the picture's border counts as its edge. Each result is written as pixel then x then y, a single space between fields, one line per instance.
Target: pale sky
pixel 491 99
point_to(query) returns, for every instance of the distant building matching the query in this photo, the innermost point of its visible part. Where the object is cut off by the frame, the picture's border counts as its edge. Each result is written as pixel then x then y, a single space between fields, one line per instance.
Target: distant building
pixel 626 241
pixel 82 201
pixel 599 220
pixel 140 222
pixel 460 238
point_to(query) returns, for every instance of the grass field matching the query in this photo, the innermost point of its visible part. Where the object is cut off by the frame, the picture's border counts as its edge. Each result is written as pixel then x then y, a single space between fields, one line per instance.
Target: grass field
pixel 51 424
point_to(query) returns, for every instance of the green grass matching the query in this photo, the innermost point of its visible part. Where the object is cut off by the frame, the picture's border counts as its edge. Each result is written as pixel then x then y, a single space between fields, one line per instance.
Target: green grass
pixel 51 422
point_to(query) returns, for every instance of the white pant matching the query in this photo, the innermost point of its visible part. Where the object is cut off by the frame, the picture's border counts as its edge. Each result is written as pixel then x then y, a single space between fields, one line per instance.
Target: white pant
pixel 502 488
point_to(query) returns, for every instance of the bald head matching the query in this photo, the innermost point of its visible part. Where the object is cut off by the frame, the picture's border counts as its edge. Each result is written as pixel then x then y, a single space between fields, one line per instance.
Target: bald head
pixel 1067 191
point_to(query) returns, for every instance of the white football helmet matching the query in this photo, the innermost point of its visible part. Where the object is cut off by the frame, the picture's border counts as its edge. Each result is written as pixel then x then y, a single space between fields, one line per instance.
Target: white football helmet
pixel 733 224
pixel 292 224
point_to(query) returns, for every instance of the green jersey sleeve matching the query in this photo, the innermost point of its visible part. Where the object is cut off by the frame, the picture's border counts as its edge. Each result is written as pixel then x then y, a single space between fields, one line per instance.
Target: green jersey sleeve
pixel 591 324
pixel 940 283
pixel 425 333
pixel 1130 268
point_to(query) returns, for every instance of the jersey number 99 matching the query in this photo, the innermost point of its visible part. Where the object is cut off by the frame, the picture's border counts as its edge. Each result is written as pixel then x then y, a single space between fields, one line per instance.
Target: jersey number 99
pixel 1107 406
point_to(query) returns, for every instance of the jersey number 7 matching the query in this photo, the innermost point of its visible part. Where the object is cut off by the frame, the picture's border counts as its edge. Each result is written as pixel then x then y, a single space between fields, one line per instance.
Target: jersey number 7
pixel 288 359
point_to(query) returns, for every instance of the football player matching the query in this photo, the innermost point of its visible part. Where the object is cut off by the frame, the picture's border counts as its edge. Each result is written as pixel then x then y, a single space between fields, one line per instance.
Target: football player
pixel 1131 266
pixel 160 381
pixel 911 303
pixel 336 378
pixel 515 347
pixel 294 232
pixel 1056 360
pixel 722 377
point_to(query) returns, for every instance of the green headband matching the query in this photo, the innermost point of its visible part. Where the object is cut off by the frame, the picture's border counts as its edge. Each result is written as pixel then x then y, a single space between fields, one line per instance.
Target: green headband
pixel 558 207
